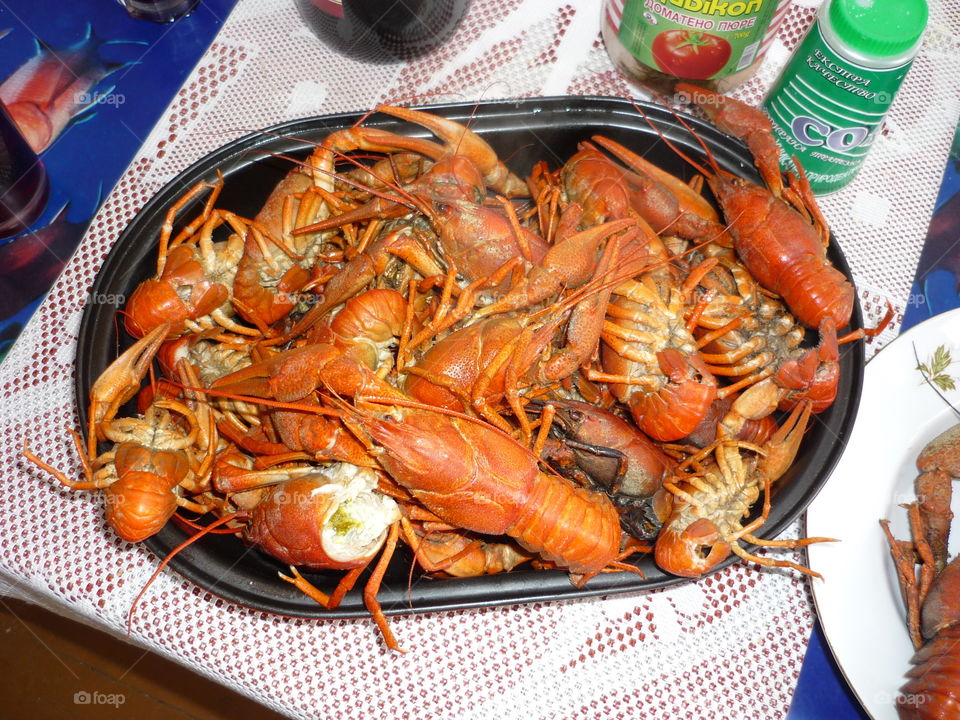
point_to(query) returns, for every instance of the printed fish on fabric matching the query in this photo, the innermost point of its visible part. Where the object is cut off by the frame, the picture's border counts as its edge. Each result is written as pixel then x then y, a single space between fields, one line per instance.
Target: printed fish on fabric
pixel 84 92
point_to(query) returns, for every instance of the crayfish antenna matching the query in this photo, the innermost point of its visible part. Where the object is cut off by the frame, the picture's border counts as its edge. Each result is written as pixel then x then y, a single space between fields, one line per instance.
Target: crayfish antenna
pixel 172 554
pixel 693 163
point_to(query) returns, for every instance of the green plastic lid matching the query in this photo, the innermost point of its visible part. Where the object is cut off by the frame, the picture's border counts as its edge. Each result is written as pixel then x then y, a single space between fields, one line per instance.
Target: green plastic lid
pixel 880 28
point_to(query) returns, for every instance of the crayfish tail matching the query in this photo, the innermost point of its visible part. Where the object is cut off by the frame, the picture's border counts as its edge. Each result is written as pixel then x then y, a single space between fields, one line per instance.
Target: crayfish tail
pixel 571 526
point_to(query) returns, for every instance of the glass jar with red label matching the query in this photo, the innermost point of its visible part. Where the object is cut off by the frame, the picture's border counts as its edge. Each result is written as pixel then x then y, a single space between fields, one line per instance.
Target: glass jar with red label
pixel 714 43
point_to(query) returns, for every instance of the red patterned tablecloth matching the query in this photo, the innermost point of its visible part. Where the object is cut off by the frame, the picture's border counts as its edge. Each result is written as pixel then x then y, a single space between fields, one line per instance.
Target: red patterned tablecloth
pixel 728 646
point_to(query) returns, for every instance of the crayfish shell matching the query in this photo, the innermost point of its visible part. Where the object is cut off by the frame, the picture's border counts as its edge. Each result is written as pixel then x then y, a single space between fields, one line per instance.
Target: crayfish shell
pixel 331 519
pixel 137 507
pixel 932 690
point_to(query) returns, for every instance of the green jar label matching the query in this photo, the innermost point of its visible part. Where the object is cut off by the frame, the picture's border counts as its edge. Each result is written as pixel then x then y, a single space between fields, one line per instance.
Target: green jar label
pixel 695 39
pixel 827 111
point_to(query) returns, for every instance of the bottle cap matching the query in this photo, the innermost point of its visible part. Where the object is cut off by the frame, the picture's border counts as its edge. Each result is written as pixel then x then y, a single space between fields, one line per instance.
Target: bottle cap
pixel 878 28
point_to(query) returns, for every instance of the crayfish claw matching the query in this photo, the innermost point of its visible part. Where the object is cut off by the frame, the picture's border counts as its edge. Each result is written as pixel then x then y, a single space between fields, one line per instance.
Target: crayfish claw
pixel 744 122
pixel 463 141
pixel 121 381
pixel 781 449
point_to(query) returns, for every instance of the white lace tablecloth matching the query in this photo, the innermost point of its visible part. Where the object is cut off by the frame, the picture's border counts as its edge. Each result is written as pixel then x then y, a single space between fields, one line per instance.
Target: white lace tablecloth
pixel 729 646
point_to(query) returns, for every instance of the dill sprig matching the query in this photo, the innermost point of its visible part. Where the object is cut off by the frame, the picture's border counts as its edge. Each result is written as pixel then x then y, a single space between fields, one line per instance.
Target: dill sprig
pixel 934 370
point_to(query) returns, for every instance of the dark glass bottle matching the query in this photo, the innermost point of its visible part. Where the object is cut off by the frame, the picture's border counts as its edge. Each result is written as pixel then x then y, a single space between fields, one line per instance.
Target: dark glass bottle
pixel 160 11
pixel 383 32
pixel 24 187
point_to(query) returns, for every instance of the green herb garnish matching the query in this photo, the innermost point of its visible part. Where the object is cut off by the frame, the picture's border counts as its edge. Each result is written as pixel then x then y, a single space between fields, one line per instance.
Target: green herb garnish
pixel 933 369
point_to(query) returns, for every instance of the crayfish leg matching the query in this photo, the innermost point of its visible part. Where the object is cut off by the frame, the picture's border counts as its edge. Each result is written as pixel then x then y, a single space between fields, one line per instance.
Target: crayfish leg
pixel 328 602
pixel 91 483
pixel 194 506
pixel 926 554
pixel 166 230
pixel 432 566
pixel 772 562
pixel 373 587
pixel 801 542
pixel 904 560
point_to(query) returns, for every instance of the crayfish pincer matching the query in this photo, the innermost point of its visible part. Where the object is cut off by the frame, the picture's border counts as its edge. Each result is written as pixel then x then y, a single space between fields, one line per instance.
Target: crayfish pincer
pixel 778 231
pixel 939 464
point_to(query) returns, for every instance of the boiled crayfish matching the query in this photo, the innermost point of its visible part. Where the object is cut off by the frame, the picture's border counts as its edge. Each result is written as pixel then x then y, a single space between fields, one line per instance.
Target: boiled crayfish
pixel 930 585
pixel 410 344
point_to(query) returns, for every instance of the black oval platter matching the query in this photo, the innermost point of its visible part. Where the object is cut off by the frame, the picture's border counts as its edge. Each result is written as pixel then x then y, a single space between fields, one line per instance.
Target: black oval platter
pixel 523 132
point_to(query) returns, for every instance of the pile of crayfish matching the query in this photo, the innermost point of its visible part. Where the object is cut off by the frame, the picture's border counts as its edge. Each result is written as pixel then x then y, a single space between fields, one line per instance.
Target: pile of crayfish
pixel 410 343
pixel 930 585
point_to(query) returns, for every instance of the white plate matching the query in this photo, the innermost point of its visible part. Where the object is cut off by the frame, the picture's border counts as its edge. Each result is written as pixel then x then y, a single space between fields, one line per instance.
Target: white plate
pixel 859 600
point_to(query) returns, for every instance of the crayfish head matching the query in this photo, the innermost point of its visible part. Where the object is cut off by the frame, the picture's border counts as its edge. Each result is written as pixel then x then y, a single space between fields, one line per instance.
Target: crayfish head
pixel 692 550
pixel 674 410
pixel 139 505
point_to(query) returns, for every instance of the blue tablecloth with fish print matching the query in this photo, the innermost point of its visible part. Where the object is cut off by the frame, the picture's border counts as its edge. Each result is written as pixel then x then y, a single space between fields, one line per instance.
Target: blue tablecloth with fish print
pixel 85 85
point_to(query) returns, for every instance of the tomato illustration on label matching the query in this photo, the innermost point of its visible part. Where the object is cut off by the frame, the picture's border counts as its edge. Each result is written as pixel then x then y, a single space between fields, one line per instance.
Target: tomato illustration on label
pixel 690 54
